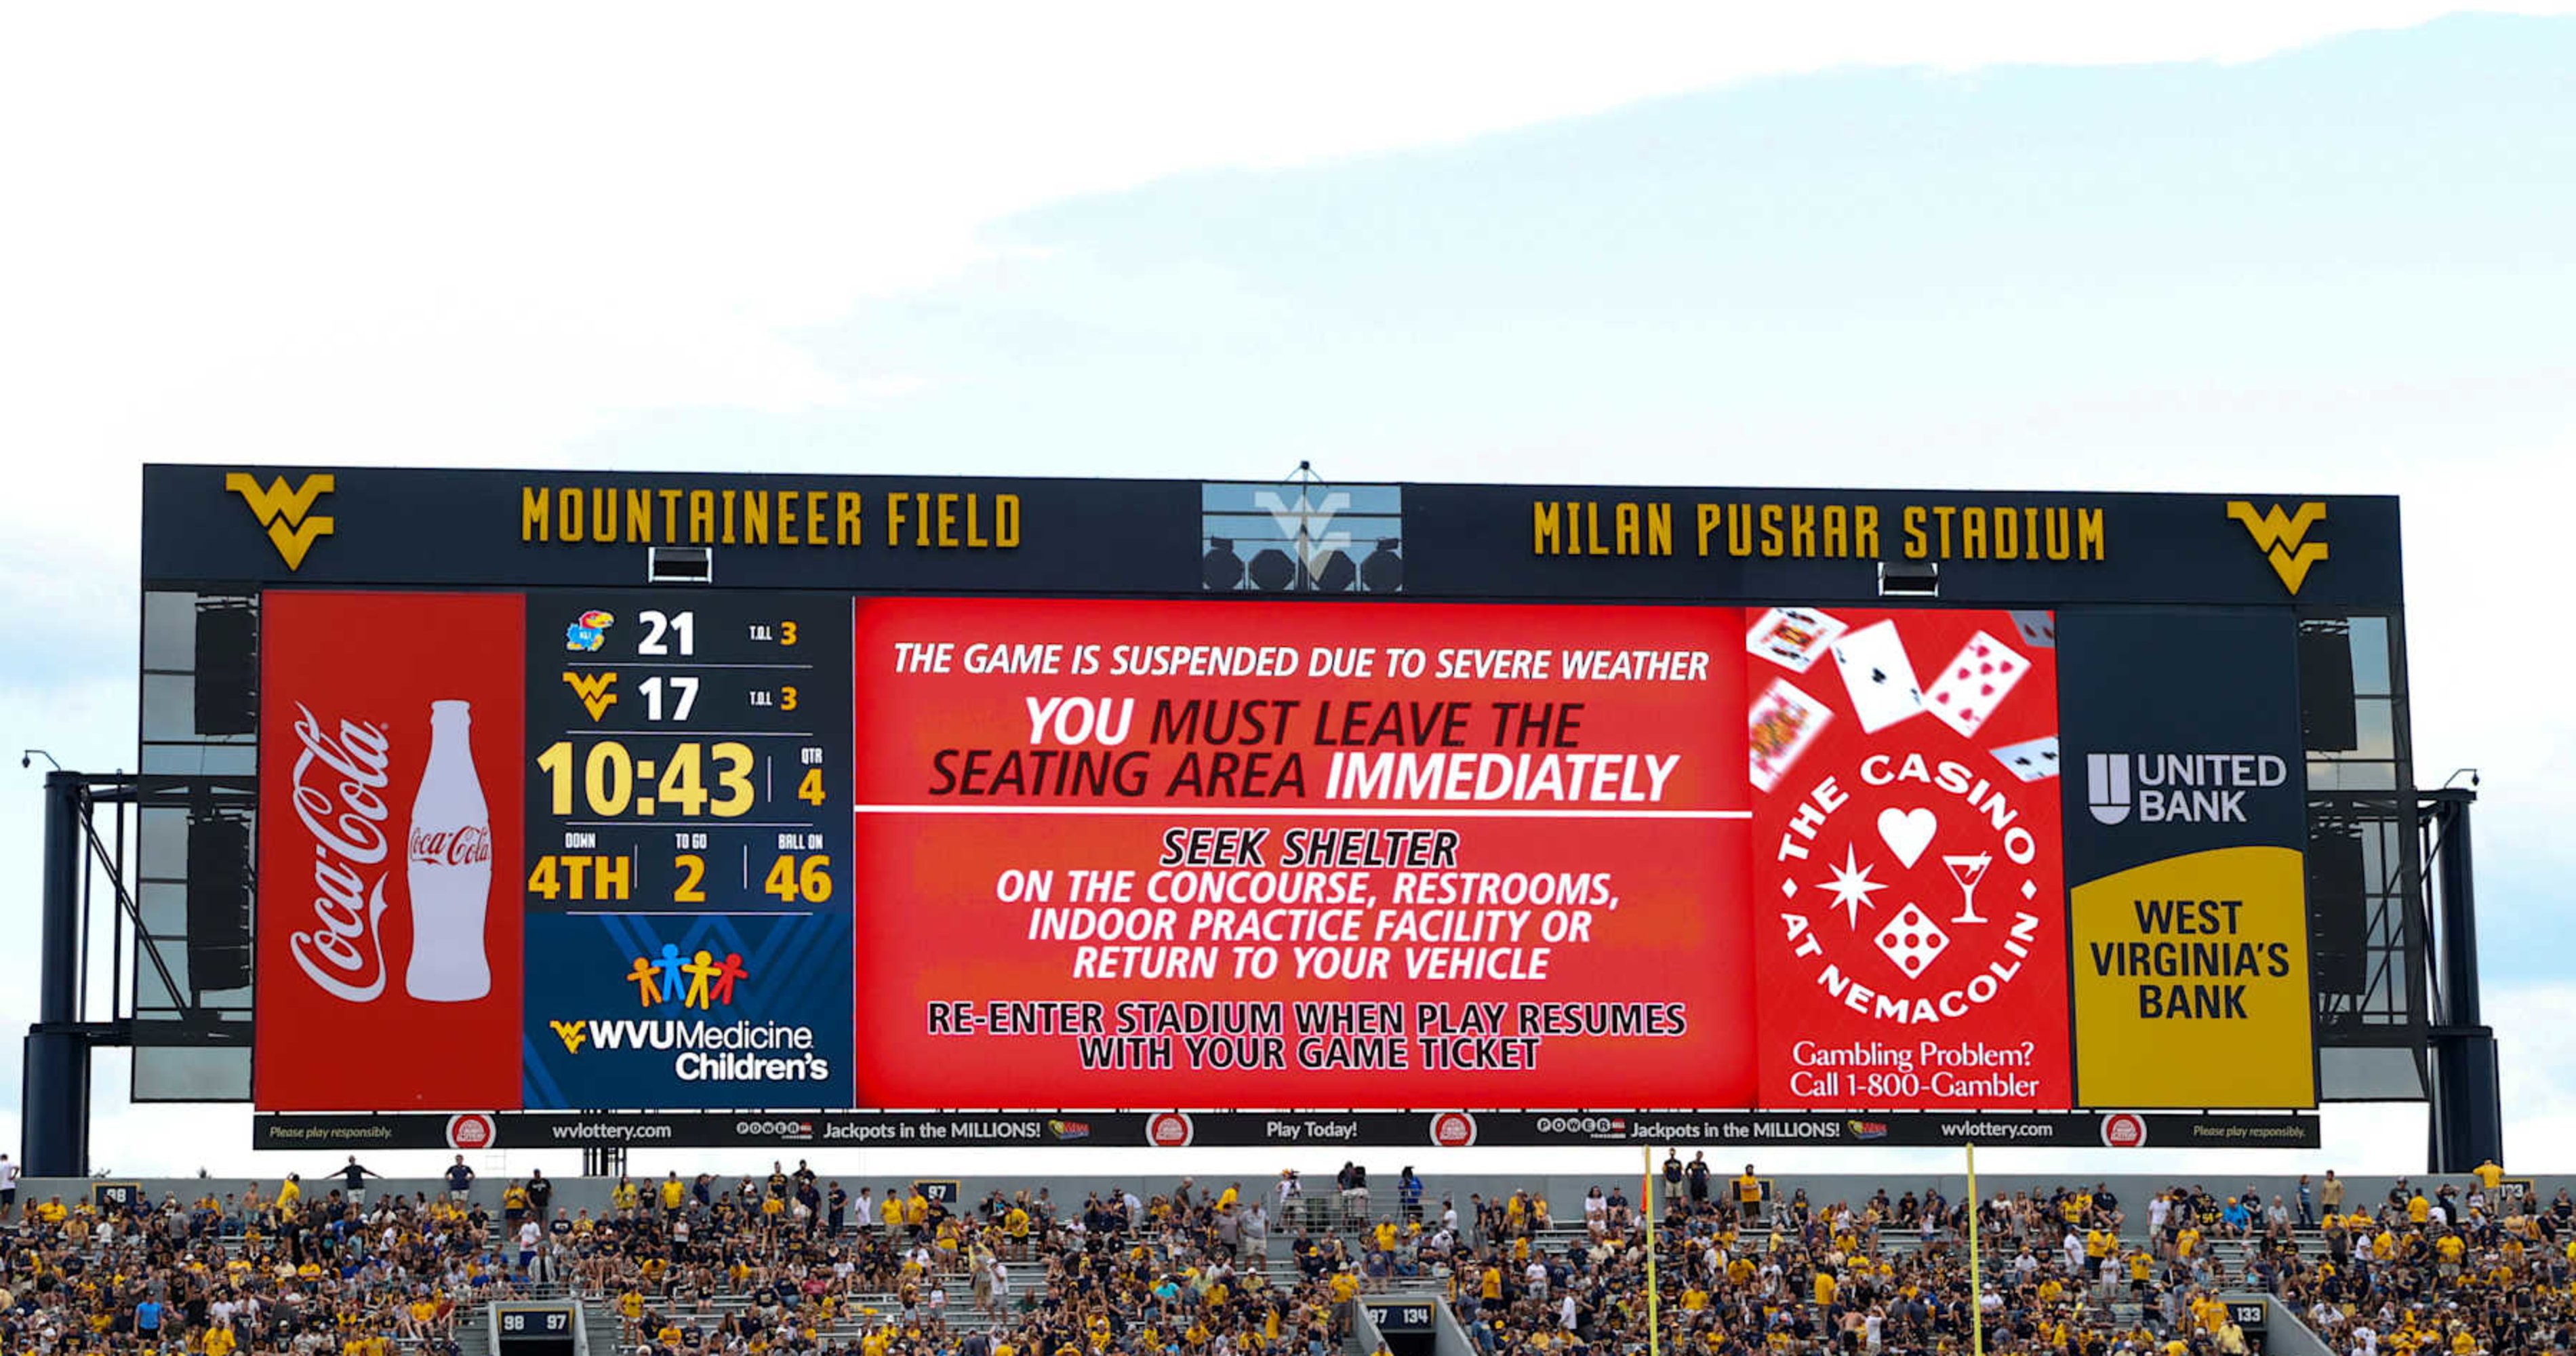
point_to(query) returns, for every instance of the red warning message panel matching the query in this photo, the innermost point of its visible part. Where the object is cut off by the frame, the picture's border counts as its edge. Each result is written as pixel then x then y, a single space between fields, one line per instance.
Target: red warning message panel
pixel 1152 854
pixel 1912 947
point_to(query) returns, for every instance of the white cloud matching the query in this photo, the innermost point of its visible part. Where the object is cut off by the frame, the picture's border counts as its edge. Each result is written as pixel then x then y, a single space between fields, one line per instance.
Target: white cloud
pixel 324 233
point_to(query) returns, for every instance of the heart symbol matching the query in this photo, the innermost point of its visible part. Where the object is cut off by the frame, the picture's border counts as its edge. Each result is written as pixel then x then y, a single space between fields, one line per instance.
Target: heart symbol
pixel 1907 832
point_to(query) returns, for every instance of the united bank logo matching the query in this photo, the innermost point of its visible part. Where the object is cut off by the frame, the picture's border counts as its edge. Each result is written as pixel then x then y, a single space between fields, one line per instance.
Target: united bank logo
pixel 2106 786
pixel 691 998
pixel 2177 788
pixel 2283 538
pixel 288 515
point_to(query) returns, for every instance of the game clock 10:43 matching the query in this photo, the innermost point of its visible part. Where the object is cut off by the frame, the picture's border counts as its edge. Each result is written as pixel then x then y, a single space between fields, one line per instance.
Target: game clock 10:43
pixel 687 752
pixel 615 784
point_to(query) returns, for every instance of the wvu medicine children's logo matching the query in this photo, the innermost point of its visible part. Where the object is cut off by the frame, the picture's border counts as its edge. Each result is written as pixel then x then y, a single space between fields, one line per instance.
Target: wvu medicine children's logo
pixel 701 982
pixel 288 515
pixel 2284 537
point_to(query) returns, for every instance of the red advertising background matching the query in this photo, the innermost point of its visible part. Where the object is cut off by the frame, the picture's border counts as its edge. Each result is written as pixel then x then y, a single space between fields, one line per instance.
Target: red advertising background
pixel 334 663
pixel 943 919
pixel 1874 994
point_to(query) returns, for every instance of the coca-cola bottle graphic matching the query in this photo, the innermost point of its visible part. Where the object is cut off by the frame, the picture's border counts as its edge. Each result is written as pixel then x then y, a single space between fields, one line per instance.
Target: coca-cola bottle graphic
pixel 449 866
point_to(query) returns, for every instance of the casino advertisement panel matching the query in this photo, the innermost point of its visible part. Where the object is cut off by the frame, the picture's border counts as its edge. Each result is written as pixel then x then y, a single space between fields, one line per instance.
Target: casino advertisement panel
pixel 389 946
pixel 687 887
pixel 1155 854
pixel 1911 946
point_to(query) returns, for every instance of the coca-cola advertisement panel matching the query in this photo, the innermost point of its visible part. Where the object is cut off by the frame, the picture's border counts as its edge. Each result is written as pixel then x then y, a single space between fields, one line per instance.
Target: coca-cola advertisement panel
pixel 389 848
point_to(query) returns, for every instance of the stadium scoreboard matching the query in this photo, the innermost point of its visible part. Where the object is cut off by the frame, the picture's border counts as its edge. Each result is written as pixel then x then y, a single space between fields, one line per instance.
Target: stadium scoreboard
pixel 806 809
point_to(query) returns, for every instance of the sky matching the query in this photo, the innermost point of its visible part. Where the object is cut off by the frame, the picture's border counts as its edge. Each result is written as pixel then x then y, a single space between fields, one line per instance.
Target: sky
pixel 2285 249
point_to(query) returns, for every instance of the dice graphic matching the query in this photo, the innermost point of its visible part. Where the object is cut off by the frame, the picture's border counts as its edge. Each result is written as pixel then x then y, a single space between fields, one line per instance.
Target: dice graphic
pixel 1912 940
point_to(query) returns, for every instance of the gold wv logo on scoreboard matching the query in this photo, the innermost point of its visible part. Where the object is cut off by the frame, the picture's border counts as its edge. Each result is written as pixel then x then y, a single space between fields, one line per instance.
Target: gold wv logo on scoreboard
pixel 2284 537
pixel 288 515
pixel 595 690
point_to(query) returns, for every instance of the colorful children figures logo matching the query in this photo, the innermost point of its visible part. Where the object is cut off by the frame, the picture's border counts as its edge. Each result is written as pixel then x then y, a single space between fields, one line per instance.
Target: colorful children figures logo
pixel 701 981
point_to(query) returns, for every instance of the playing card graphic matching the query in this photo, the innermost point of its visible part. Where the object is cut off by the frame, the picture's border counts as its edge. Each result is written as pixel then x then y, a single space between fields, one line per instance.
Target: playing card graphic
pixel 2038 629
pixel 1792 637
pixel 1785 721
pixel 2031 759
pixel 1976 681
pixel 1878 675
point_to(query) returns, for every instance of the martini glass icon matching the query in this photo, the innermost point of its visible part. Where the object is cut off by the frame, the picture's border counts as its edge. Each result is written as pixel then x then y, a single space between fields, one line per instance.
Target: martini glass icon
pixel 1968 869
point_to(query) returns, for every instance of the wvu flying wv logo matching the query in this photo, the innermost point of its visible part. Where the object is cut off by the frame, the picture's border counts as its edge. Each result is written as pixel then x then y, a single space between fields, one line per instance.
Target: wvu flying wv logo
pixel 2284 537
pixel 288 515
pixel 598 691
pixel 701 982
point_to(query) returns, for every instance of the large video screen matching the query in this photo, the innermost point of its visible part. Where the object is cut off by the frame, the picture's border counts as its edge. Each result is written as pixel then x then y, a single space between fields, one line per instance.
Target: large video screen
pixel 700 850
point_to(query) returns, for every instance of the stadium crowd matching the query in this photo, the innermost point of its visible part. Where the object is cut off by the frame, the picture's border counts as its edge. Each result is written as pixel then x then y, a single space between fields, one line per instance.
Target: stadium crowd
pixel 795 1263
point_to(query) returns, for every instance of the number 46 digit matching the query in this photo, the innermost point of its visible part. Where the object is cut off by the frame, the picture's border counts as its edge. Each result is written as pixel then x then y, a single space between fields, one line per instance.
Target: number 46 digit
pixel 810 878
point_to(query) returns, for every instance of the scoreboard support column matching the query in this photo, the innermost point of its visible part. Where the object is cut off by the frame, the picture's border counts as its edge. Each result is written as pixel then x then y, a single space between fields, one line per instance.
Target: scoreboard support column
pixel 56 1132
pixel 2467 1119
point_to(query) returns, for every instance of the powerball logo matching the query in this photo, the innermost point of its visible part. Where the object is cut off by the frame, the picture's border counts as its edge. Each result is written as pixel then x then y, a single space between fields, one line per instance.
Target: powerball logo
pixel 686 994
